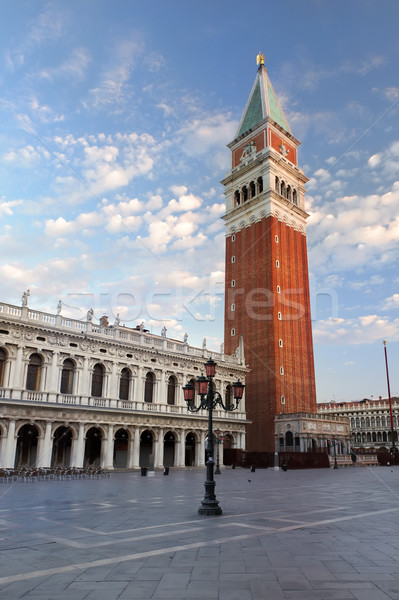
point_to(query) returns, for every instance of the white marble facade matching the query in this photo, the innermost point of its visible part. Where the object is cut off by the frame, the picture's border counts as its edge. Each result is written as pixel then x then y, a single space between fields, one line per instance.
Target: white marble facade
pixel 75 393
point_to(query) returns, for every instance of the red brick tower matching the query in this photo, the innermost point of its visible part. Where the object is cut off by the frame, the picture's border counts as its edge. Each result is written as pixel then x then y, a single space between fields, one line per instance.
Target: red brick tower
pixel 267 285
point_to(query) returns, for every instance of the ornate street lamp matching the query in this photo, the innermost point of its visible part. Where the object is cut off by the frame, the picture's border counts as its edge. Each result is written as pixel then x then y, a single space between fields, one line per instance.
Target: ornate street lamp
pixel 209 400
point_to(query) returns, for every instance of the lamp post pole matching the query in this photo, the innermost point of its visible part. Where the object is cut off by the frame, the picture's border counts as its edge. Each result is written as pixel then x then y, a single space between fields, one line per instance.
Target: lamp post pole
pixel 218 442
pixel 393 447
pixel 209 399
pixel 335 454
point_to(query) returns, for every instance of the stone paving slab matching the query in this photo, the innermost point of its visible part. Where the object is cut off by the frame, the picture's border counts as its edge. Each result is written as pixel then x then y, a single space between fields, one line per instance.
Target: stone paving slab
pixel 312 534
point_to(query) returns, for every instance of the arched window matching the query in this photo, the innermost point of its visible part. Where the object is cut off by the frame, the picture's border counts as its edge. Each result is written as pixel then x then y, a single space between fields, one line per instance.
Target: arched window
pixel 244 193
pixel 149 387
pixel 124 384
pixel 372 421
pixel 378 422
pixel 97 381
pixel 288 192
pixel 67 373
pixel 295 198
pixel 34 372
pixel 362 422
pixel 277 184
pixel 3 358
pixel 379 436
pixel 368 436
pixel 252 192
pixel 352 422
pixel 357 422
pixel 171 389
pixel 289 439
pixel 282 190
pixel 228 397
pixel 359 437
pixel 374 436
pixel 367 421
pixel 363 437
pixel 237 198
pixel 383 422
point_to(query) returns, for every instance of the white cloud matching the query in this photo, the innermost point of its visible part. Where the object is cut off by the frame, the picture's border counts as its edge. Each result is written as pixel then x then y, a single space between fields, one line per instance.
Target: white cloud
pixel 364 329
pixel 58 227
pixel 46 27
pixel 374 160
pixel 201 135
pixel 184 203
pixel 354 231
pixel 7 206
pixel 112 88
pixel 392 302
pixel 27 156
pixel 74 67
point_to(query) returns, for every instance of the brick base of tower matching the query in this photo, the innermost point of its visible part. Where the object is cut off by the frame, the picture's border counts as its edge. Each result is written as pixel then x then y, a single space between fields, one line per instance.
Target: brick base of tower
pixel 267 302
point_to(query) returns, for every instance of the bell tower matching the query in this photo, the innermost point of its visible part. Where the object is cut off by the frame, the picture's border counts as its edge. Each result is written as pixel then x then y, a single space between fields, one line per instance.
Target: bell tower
pixel 267 284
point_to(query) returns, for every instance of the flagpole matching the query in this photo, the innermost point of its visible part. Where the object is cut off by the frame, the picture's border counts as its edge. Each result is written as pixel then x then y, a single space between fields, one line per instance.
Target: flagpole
pixel 393 448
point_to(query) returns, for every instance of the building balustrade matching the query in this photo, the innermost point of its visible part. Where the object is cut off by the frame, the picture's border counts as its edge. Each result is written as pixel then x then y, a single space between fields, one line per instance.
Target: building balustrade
pixel 116 332
pixel 105 403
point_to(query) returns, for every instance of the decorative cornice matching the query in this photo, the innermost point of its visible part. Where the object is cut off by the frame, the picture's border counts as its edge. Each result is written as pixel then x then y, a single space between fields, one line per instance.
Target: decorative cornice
pixel 261 207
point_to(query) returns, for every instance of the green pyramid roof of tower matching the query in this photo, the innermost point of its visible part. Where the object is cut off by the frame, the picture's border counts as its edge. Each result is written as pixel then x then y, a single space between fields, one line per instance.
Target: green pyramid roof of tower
pixel 262 103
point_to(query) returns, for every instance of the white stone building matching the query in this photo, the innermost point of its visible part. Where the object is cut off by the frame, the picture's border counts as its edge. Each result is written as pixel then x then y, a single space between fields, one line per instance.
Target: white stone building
pixel 369 421
pixel 75 393
pixel 306 432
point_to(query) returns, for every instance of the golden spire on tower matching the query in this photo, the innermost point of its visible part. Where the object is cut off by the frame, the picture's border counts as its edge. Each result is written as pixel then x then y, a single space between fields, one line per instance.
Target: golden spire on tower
pixel 260 59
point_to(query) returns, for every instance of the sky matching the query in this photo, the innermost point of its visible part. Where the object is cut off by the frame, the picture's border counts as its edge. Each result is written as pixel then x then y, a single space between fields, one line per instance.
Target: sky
pixel 114 121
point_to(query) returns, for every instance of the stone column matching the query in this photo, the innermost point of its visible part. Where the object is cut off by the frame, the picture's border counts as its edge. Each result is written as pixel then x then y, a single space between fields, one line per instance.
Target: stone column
pixel 85 380
pixel 181 452
pixel 130 452
pixel 103 450
pixel 3 444
pixel 200 459
pixel 19 371
pixel 52 382
pixel 113 386
pixel 44 449
pixel 109 449
pixel 159 448
pixel 78 447
pixel 10 447
pixel 136 448
pixel 162 392
pixel 139 393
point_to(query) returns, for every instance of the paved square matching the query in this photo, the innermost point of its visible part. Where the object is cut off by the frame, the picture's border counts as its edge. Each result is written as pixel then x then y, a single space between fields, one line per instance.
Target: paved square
pixel 313 534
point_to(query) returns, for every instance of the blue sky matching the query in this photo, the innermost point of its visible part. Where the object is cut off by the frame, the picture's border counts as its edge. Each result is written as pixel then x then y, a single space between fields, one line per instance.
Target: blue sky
pixel 114 122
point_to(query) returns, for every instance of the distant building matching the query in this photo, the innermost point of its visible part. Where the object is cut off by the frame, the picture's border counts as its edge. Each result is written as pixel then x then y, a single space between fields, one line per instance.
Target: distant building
pixel 75 393
pixel 369 421
pixel 308 432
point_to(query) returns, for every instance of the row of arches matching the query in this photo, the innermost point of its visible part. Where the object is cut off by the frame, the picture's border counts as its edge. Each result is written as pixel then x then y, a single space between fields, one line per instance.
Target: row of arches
pixel 248 192
pixel 293 442
pixel 127 386
pixel 68 376
pixel 26 454
pixel 378 421
pixel 374 436
pixel 286 191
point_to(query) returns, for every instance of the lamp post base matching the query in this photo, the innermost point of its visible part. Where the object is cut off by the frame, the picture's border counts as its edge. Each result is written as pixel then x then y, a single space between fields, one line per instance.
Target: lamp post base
pixel 209 505
pixel 211 509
